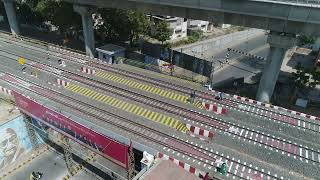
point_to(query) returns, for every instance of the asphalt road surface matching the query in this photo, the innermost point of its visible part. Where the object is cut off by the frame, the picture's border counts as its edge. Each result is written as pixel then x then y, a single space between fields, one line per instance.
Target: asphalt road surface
pixel 53 167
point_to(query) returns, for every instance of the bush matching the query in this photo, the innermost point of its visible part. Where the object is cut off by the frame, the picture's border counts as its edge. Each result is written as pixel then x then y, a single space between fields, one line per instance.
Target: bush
pixel 306 40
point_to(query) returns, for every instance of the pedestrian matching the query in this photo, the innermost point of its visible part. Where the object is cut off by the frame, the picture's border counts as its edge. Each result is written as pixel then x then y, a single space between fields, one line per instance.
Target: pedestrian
pixel 24 69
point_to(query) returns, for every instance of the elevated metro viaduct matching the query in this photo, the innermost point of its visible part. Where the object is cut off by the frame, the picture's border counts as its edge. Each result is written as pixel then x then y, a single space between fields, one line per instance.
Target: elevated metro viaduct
pixel 284 18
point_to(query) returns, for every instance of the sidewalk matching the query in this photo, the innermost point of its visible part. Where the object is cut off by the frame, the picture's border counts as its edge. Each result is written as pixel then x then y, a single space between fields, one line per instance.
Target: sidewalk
pixel 7 110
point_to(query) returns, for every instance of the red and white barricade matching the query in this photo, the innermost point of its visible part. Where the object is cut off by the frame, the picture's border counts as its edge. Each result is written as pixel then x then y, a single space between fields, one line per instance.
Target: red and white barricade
pixel 185 166
pixel 215 108
pixel 87 70
pixel 6 91
pixel 202 133
pixel 62 82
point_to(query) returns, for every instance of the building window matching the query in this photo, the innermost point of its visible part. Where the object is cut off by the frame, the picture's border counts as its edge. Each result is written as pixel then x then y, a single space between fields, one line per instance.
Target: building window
pixel 178 31
pixel 104 56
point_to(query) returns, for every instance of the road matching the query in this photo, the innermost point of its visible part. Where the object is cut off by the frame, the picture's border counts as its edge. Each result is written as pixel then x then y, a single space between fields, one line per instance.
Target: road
pixel 246 68
pixel 53 167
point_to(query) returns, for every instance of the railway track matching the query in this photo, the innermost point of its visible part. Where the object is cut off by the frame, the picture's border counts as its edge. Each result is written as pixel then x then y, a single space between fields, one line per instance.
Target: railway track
pixel 169 143
pixel 230 101
pixel 284 146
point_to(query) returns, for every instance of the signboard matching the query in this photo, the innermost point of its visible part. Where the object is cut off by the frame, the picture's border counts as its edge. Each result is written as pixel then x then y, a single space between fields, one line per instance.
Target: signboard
pixel 106 146
pixel 21 60
pixel 14 142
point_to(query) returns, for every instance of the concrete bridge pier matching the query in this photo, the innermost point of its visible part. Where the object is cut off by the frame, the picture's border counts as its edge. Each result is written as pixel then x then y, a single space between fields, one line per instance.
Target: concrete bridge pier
pixel 87 26
pixel 12 17
pixel 279 44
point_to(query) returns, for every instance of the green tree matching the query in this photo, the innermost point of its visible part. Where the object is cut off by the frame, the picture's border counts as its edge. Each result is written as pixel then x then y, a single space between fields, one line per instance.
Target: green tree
pixel 306 40
pixel 163 32
pixel 304 78
pixel 123 24
pixel 60 14
pixel 138 25
pixel 300 77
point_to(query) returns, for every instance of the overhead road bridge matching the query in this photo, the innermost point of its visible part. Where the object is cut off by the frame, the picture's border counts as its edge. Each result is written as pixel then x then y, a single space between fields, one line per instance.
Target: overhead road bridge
pixel 283 18
pixel 296 17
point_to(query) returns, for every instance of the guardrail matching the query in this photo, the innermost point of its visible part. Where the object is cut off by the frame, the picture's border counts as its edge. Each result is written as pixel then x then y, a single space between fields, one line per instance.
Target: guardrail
pixel 296 2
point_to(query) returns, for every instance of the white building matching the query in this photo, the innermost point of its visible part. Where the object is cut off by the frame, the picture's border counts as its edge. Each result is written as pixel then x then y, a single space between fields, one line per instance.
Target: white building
pixel 110 52
pixel 199 25
pixel 177 24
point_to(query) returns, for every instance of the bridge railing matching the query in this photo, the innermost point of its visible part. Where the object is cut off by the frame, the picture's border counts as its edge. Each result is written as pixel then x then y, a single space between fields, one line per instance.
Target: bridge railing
pixel 298 2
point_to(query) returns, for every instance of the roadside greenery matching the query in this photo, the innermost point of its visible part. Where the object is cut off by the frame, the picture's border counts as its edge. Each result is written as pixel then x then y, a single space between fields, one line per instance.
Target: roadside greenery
pixel 163 32
pixel 58 13
pixel 122 25
pixel 118 25
pixel 302 40
pixel 304 78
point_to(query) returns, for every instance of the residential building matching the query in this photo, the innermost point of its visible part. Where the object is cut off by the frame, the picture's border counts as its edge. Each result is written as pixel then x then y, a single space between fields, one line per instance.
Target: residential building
pixel 177 24
pixel 199 25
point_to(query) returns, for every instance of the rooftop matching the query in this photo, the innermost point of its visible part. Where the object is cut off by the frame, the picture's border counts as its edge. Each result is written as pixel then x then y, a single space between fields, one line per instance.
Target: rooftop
pixel 110 48
pixel 172 172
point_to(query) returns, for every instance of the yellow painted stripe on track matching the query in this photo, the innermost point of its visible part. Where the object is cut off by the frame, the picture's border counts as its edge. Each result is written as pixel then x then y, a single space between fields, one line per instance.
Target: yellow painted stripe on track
pixel 132 108
pixel 156 91
pixel 128 107
pixel 139 112
pixel 136 110
pixel 159 117
pixel 168 121
pixel 142 86
pixel 85 92
pixel 172 122
pixel 91 94
pixel 143 113
pixel 148 114
pixel 155 116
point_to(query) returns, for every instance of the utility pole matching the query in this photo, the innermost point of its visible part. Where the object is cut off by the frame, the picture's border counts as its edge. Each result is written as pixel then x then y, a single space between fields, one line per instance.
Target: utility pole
pixel 171 64
pixel 211 73
pixel 31 132
pixel 67 152
pixel 131 173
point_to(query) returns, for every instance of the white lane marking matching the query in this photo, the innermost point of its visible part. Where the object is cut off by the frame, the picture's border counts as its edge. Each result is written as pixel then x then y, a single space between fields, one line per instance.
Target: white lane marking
pixel 243 130
pixel 230 166
pixel 307 154
pixel 246 134
pixel 251 135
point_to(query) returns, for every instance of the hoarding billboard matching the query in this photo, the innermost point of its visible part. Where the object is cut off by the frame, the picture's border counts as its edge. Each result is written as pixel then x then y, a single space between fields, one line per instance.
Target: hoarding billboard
pixel 106 146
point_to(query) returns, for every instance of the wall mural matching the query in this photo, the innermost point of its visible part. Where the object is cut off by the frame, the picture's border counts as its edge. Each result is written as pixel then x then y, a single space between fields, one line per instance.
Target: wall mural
pixel 14 141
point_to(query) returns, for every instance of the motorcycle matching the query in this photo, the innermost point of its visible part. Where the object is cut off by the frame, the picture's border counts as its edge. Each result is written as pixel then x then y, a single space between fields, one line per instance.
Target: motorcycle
pixel 36 175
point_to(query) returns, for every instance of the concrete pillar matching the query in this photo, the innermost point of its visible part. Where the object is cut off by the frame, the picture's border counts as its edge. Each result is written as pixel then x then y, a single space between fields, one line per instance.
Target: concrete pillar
pixel 12 17
pixel 87 26
pixel 279 44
